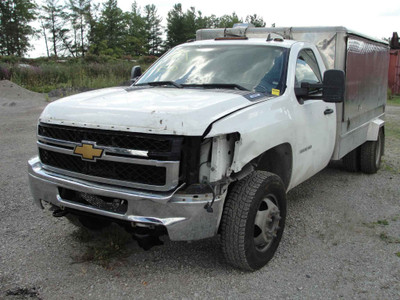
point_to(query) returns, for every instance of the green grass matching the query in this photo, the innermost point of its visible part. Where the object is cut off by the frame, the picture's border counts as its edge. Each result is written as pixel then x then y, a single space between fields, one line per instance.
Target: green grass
pixel 392 129
pixel 389 239
pixel 101 248
pixel 45 75
pixel 382 222
pixel 398 254
pixel 394 101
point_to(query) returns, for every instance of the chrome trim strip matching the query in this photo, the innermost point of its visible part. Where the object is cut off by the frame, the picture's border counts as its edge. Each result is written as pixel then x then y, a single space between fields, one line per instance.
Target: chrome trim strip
pixel 36 169
pixel 118 151
pixel 170 184
pixel 171 179
pixel 132 160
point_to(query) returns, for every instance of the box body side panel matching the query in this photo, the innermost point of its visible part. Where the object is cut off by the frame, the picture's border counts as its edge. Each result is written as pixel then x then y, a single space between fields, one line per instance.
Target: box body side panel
pixel 366 78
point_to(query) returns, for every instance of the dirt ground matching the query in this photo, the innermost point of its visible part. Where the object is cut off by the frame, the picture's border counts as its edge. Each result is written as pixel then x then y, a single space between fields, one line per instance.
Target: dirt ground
pixel 342 238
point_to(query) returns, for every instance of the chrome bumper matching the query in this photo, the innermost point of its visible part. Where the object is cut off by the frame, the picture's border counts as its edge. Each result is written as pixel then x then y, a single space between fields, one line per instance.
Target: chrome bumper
pixel 183 215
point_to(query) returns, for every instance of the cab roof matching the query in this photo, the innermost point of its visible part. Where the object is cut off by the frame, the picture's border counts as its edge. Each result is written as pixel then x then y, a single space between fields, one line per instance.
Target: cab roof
pixel 249 41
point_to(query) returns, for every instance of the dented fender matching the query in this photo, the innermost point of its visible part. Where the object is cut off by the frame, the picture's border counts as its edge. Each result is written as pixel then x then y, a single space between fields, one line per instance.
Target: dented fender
pixel 260 127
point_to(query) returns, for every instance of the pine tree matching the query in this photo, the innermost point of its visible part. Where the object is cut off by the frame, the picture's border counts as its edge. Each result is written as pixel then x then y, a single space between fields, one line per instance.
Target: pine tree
pixel 15 16
pixel 153 29
pixel 255 20
pixel 78 17
pixel 136 39
pixel 54 20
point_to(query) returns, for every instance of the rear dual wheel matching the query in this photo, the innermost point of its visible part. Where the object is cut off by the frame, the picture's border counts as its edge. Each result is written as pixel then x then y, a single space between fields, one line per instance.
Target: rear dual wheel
pixel 367 157
pixel 371 154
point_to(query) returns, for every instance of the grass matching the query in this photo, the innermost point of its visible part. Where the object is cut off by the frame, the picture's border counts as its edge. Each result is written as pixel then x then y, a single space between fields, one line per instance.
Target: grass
pixel 45 75
pixel 398 254
pixel 392 130
pixel 395 100
pixel 382 222
pixel 389 239
pixel 101 248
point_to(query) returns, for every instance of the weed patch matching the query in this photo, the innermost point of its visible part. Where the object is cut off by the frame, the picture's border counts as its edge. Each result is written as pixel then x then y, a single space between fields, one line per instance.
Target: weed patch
pixel 104 246
pixel 395 100
pixel 389 239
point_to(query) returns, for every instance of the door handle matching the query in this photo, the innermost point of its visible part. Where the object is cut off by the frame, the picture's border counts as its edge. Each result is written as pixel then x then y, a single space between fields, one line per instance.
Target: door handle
pixel 328 111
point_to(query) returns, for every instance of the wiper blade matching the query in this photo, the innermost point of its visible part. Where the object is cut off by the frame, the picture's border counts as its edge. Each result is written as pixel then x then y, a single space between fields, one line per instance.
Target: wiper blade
pixel 161 83
pixel 217 85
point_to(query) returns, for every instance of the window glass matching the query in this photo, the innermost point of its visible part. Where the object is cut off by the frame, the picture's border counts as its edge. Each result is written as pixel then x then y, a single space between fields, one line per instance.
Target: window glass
pixel 307 69
pixel 254 67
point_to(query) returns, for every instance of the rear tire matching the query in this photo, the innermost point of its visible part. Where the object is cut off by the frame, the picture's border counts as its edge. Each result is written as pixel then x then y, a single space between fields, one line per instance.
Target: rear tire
pixel 253 220
pixel 371 154
pixel 351 161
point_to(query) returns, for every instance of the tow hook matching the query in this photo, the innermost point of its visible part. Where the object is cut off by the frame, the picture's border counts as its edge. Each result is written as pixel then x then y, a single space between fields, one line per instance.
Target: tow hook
pixel 58 213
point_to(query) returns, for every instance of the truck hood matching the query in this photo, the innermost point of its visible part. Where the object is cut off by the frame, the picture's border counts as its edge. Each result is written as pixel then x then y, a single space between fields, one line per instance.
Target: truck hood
pixel 160 110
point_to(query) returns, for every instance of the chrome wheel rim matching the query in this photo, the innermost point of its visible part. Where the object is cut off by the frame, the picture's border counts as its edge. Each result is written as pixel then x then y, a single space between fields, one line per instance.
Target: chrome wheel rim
pixel 266 223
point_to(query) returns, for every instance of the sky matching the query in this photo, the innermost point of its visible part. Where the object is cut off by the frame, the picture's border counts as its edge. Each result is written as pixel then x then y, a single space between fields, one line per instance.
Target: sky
pixel 377 19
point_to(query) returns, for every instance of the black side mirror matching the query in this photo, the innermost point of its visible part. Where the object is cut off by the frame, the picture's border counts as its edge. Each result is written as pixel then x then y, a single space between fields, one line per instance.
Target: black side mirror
pixel 333 86
pixel 136 73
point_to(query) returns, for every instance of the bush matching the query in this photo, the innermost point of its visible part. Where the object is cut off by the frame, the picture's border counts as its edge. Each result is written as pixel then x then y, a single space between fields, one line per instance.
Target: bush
pixel 5 73
pixel 389 94
pixel 91 72
pixel 146 60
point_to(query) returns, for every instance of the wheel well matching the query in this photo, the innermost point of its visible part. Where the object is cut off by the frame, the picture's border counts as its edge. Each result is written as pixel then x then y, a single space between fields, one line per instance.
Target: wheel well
pixel 277 160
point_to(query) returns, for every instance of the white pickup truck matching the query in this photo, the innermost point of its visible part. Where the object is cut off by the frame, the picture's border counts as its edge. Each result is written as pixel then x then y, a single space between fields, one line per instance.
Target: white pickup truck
pixel 214 134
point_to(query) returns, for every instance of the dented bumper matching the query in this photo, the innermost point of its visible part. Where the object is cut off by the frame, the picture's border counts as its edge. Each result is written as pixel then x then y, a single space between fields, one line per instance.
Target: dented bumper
pixel 182 215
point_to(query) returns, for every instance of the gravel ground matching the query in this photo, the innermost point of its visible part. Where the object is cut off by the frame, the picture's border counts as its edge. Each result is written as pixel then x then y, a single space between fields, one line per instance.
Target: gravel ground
pixel 342 238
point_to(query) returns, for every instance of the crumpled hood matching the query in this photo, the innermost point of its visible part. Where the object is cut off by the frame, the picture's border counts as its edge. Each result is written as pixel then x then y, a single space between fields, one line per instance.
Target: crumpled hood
pixel 160 110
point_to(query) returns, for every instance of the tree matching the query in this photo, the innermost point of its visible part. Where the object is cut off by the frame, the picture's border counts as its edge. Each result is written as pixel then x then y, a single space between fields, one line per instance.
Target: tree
pixel 136 39
pixel 182 27
pixel 54 20
pixel 175 26
pixel 153 29
pixel 15 16
pixel 255 20
pixel 78 16
pixel 109 32
pixel 227 21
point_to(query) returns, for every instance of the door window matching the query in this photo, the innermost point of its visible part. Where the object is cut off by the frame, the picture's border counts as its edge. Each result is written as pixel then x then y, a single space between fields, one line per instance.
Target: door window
pixel 307 69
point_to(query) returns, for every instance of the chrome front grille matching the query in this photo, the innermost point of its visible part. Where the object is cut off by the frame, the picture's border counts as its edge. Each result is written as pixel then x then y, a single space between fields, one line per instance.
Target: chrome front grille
pixel 122 162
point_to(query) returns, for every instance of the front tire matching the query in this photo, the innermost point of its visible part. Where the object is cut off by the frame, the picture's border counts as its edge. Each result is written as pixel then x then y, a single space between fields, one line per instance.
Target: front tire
pixel 253 220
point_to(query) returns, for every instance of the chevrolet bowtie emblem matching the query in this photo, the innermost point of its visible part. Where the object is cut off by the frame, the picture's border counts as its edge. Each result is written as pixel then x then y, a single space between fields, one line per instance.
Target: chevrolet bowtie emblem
pixel 88 151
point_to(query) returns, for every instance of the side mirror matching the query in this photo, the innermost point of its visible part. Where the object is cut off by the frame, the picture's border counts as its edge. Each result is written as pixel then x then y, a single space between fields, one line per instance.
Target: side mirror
pixel 136 73
pixel 333 86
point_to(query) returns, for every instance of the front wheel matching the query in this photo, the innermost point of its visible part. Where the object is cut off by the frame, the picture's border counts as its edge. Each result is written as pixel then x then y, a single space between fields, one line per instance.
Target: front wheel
pixel 253 220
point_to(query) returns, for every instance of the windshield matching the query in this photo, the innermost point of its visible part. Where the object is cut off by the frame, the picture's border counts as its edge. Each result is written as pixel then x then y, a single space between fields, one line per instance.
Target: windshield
pixel 255 68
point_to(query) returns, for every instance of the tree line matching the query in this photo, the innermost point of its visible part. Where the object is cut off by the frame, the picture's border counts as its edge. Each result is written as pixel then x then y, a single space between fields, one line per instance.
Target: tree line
pixel 80 27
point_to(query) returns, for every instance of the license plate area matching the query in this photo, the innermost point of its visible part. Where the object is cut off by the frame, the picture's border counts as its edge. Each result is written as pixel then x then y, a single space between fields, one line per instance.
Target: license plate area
pixel 115 205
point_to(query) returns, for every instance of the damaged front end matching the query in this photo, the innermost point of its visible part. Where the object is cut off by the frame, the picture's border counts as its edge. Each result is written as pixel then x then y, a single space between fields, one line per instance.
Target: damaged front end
pixel 191 210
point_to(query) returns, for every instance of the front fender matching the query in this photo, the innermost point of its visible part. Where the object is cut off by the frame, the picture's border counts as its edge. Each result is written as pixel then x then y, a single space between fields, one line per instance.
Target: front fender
pixel 261 127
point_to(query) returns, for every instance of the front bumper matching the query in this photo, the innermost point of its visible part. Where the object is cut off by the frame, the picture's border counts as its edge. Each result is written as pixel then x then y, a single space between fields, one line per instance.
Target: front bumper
pixel 183 215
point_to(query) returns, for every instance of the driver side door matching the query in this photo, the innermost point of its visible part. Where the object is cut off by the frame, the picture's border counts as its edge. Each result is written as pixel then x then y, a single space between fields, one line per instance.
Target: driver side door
pixel 316 120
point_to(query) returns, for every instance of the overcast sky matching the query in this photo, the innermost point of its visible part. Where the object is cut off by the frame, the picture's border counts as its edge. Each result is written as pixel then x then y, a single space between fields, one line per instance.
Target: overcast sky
pixel 377 19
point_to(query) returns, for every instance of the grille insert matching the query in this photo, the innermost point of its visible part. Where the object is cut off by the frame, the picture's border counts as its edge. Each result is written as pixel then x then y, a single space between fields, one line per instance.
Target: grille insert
pixel 166 147
pixel 144 174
